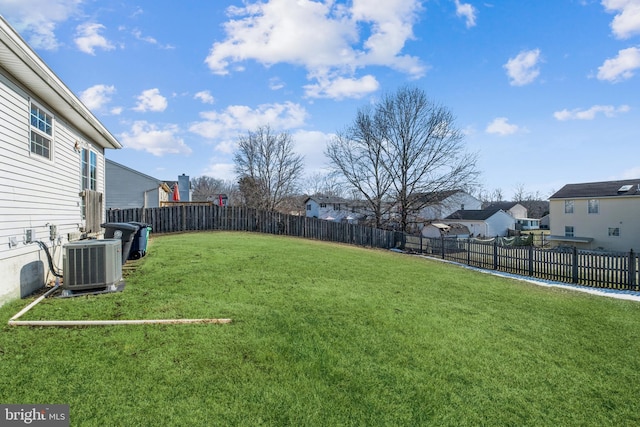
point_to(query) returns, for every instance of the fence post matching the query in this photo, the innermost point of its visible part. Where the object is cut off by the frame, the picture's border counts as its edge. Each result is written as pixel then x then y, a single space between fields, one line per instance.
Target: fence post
pixel 442 245
pixel 574 265
pixel 495 253
pixel 632 270
pixel 468 251
pixel 531 259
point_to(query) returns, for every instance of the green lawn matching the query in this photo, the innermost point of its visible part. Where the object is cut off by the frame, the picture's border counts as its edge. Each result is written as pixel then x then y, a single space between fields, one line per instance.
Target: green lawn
pixel 325 335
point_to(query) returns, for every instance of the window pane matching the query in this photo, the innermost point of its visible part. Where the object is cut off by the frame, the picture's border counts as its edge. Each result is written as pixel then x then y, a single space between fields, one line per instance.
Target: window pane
pixel 40 145
pixel 568 206
pixel 594 206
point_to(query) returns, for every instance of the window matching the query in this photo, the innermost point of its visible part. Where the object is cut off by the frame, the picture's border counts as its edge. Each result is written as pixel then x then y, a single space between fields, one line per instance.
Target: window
pixel 89 169
pixel 323 205
pixel 336 206
pixel 41 131
pixel 614 232
pixel 568 206
pixel 568 231
pixel 309 207
pixel 594 206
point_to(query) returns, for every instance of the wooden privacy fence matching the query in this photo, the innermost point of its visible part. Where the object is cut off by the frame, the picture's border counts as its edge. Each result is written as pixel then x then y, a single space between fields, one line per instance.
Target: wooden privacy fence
pixel 612 270
pixel 185 217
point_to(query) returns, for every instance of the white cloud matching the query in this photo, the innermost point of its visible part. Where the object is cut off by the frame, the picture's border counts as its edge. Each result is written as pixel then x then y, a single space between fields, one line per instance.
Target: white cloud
pixel 523 69
pixel 621 67
pixel 220 169
pixel 148 39
pixel 97 96
pixel 37 19
pixel 151 100
pixel 467 11
pixel 312 145
pixel 344 38
pixel 235 119
pixel 590 114
pixel 626 23
pixel 88 38
pixel 342 87
pixel 205 97
pixel 149 137
pixel 501 126
pixel 275 83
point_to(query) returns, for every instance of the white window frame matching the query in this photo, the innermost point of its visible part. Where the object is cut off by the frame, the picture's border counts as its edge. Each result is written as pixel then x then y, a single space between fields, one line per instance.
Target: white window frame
pixel 569 231
pixel 614 232
pixel 88 169
pixel 568 206
pixel 39 127
pixel 593 206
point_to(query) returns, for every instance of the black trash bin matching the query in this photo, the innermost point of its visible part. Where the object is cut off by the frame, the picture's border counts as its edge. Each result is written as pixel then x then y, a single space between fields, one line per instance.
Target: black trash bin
pixel 123 231
pixel 140 240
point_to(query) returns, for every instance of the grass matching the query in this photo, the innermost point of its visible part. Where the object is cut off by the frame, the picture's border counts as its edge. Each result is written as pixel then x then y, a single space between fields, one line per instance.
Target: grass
pixel 325 334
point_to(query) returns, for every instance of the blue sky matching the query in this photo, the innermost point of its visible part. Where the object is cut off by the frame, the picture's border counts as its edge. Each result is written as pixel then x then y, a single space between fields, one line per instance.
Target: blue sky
pixel 546 92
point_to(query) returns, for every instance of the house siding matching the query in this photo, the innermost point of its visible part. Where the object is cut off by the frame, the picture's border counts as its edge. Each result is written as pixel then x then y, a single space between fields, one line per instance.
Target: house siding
pixel 126 188
pixel 614 212
pixel 446 207
pixel 36 192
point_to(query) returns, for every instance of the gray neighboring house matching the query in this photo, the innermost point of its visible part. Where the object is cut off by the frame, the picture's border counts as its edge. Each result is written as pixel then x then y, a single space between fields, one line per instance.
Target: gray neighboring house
pixel 127 188
pixel 597 215
pixel 52 168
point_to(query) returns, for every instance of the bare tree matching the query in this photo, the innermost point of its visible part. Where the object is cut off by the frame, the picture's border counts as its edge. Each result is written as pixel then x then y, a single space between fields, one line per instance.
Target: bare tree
pixel 403 148
pixel 323 184
pixel 424 152
pixel 206 188
pixel 267 168
pixel 358 154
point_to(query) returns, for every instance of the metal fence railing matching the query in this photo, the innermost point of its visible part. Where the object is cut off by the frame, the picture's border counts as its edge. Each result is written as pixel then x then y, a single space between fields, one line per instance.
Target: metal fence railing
pixel 613 270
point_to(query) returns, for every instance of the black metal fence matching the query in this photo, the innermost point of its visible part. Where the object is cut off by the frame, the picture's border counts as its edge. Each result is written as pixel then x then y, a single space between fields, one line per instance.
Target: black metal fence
pixel 612 270
pixel 185 217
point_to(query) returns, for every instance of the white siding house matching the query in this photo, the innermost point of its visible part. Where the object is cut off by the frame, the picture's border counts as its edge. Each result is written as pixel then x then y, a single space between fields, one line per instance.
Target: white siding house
pixel 51 167
pixel 443 203
pixel 485 222
pixel 329 208
pixel 597 215
pixel 127 188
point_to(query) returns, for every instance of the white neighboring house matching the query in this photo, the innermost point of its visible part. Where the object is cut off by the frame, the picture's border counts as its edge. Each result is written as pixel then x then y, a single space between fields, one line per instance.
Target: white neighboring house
pixel 484 222
pixel 52 167
pixel 127 188
pixel 597 215
pixel 330 208
pixel 519 212
pixel 441 204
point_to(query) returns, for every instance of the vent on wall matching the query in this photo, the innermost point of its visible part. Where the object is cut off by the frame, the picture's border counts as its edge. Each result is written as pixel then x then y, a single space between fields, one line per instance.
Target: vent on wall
pixel 92 264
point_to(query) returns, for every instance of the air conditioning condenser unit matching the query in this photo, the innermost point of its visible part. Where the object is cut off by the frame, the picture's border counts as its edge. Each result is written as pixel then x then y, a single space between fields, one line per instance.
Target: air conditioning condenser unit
pixel 92 265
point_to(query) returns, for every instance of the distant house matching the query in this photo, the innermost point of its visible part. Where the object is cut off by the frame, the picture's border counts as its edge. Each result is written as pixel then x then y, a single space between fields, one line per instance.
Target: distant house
pixel 52 167
pixel 441 204
pixel 127 188
pixel 184 188
pixel 597 215
pixel 519 212
pixel 453 230
pixel 514 209
pixel 484 222
pixel 330 208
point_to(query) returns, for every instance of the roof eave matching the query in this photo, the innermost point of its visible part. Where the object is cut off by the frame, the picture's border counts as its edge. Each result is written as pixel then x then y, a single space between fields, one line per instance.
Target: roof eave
pixel 27 68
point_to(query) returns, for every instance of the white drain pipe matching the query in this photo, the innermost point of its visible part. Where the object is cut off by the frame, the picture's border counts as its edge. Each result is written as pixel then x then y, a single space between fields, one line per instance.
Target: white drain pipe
pixel 15 322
